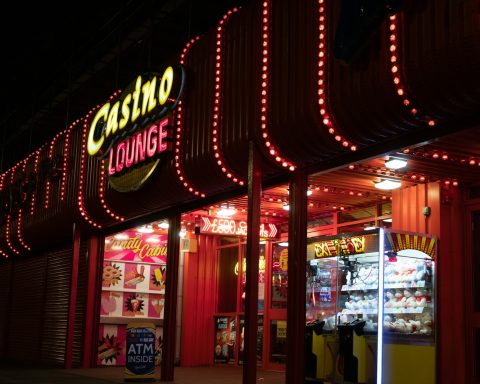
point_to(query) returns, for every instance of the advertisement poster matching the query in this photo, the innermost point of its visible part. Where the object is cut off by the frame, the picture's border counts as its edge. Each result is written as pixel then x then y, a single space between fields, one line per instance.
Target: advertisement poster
pixel 225 339
pixel 136 246
pixel 111 345
pixel 140 351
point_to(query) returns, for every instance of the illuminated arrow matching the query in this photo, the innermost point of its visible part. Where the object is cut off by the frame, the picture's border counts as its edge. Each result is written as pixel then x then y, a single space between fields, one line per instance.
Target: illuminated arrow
pixel 206 224
pixel 273 230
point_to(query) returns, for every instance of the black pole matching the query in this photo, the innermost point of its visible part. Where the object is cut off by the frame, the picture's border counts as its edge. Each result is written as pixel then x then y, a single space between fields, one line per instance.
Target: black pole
pixel 297 250
pixel 170 309
pixel 252 257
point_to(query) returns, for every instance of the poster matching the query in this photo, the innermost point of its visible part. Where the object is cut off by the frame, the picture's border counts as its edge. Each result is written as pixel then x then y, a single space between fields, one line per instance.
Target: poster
pixel 225 339
pixel 140 351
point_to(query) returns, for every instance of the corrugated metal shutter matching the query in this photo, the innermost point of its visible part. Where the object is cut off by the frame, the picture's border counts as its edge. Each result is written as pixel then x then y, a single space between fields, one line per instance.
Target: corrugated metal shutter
pixel 27 307
pixel 5 279
pixel 78 337
pixel 57 294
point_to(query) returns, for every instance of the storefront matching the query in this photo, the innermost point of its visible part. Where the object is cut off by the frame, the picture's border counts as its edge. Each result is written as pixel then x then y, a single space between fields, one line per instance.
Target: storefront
pixel 141 180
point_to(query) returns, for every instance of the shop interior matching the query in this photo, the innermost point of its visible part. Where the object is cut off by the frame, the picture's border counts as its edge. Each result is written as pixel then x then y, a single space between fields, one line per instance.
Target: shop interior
pixel 350 202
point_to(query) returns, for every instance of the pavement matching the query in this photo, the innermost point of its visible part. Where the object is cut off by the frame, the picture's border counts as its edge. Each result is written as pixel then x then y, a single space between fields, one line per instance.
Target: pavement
pixel 24 374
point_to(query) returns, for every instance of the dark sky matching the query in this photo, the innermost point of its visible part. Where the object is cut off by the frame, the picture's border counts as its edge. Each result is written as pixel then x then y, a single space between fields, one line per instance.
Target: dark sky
pixel 46 46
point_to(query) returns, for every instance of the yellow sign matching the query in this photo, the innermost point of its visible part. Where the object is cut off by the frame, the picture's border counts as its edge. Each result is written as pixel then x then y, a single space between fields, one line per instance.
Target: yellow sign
pixel 281 329
pixel 340 246
pixel 149 96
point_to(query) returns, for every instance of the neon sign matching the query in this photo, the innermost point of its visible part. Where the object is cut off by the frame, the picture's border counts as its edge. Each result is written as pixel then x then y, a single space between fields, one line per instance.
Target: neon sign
pixel 222 226
pixel 340 246
pixel 142 146
pixel 143 102
pixel 133 131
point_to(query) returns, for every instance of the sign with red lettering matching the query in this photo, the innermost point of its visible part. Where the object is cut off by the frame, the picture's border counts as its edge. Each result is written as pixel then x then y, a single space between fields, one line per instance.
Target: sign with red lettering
pixel 132 132
pixel 231 227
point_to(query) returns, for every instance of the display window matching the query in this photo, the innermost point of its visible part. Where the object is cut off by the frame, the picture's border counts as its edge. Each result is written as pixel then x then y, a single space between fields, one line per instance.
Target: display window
pixel 134 272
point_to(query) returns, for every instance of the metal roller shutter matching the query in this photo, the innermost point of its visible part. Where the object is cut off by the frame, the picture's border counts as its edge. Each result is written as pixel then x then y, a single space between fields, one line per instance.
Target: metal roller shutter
pixel 55 314
pixel 27 307
pixel 5 279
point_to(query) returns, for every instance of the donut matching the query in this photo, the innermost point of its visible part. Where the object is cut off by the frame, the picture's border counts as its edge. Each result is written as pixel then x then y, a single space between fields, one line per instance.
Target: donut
pixel 108 268
pixel 107 275
pixel 115 272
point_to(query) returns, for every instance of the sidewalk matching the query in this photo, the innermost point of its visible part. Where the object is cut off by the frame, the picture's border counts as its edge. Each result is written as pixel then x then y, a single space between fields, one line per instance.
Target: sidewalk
pixel 196 375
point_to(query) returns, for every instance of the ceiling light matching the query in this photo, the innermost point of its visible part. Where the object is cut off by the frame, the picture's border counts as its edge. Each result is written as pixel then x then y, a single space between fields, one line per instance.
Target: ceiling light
pixel 369 227
pixel 387 220
pixel 393 163
pixel 226 211
pixel 145 229
pixel 286 206
pixel 163 225
pixel 283 244
pixel 309 192
pixel 387 184
pixel 121 236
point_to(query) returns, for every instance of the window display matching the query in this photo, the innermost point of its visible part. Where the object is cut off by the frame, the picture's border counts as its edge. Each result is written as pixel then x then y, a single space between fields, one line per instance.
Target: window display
pixel 378 288
pixel 133 286
pixel 343 276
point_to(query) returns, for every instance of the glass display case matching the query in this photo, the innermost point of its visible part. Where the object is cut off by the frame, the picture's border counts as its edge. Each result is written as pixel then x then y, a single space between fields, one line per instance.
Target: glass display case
pixel 381 283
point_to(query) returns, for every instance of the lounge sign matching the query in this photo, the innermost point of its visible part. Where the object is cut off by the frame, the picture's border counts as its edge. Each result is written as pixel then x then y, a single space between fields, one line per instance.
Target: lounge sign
pixel 131 132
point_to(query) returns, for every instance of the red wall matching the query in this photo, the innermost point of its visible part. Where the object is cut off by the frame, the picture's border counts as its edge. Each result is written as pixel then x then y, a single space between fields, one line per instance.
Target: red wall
pixel 199 292
pixel 446 222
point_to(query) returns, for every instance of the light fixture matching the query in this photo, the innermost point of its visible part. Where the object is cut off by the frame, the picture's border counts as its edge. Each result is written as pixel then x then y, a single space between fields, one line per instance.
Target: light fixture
pixel 283 243
pixel 121 236
pixel 387 220
pixel 395 163
pixel 369 227
pixel 226 211
pixel 387 184
pixel 163 225
pixel 286 206
pixel 145 229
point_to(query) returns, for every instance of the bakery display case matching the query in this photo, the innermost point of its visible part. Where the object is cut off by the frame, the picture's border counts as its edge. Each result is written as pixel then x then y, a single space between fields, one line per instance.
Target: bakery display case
pixel 382 283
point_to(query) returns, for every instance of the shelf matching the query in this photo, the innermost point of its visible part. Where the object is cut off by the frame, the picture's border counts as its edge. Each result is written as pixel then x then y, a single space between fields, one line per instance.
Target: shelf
pixel 366 287
pixel 129 290
pixel 373 311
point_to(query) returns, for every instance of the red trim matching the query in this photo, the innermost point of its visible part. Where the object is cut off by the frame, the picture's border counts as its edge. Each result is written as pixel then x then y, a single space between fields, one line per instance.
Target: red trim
pixel 73 298
pixel 90 313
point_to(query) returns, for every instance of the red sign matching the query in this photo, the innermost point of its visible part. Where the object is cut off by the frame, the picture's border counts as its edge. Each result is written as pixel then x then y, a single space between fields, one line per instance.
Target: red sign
pixel 223 226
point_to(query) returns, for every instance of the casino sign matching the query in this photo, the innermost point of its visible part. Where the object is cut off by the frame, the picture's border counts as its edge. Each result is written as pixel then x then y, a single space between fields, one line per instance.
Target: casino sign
pixel 134 131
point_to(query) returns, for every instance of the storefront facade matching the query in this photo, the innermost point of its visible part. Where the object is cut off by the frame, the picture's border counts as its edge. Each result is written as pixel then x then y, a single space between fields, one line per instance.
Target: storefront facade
pixel 257 102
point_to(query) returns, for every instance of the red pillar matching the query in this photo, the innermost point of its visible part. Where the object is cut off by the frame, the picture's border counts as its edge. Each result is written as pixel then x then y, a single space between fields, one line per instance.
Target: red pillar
pixel 169 322
pixel 92 302
pixel 297 251
pixel 252 256
pixel 73 297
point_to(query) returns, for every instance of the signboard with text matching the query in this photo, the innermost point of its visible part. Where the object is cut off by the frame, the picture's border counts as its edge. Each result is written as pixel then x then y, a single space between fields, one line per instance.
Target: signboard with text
pixel 231 227
pixel 140 352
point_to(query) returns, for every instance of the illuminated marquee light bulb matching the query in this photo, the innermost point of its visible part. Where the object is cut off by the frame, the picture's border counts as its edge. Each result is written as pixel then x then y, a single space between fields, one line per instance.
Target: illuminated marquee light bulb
pixel 179 133
pixel 273 151
pixel 103 184
pixel 396 73
pixel 81 187
pixel 35 171
pixel 327 118
pixel 101 194
pixel 19 232
pixel 218 100
pixel 7 236
pixel 66 151
pixel 50 156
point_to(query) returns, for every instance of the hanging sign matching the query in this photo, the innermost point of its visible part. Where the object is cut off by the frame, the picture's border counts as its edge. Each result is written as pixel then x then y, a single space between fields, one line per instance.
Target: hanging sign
pixel 140 352
pixel 223 226
pixel 134 131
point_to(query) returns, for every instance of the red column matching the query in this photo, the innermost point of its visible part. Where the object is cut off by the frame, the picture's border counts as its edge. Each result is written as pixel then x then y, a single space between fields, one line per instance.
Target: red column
pixel 169 322
pixel 297 251
pixel 252 256
pixel 73 297
pixel 92 301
